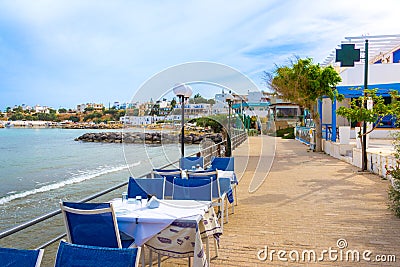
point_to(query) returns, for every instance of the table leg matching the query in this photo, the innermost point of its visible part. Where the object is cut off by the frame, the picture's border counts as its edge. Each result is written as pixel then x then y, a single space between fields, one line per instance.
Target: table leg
pixel 143 257
pixel 150 258
pixel 208 250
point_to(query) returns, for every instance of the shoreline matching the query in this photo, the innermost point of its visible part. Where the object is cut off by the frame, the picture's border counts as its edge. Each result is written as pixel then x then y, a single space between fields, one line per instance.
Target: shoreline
pixel 77 125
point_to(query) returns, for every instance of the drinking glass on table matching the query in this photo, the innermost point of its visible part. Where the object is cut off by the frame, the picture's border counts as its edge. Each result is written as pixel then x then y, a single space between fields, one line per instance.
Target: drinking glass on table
pixel 139 200
pixel 124 197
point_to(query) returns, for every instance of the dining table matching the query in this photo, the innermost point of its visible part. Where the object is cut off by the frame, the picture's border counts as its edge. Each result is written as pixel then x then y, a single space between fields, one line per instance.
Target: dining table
pixel 174 228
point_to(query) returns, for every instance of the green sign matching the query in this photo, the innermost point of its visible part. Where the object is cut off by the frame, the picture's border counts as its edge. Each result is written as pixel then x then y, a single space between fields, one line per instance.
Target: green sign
pixel 347 55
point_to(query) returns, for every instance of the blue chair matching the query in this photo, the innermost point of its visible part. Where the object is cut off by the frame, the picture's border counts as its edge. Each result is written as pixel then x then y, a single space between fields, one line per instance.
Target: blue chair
pixel 193 189
pixel 169 176
pixel 217 197
pixel 187 163
pixel 72 255
pixel 207 174
pixel 92 224
pixel 11 257
pixel 223 163
pixel 146 186
pixel 225 187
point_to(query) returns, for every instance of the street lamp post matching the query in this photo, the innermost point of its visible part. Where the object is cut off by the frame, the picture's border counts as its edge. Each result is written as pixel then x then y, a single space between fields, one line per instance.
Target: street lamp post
pixel 229 99
pixel 183 92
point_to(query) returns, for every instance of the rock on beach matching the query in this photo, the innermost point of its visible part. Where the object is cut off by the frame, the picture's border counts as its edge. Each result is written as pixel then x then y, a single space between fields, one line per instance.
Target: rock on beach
pixel 150 138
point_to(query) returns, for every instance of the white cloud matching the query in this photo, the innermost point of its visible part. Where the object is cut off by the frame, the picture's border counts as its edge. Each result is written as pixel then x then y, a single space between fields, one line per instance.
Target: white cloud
pixel 108 48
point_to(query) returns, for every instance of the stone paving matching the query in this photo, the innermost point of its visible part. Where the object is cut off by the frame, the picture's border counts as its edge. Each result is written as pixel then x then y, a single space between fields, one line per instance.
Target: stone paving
pixel 307 202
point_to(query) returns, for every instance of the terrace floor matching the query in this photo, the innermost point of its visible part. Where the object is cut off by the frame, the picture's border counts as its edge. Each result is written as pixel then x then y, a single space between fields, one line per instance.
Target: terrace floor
pixel 307 202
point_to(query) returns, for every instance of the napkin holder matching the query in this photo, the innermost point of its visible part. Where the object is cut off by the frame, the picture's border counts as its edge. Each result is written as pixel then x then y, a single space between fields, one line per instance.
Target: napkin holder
pixel 153 203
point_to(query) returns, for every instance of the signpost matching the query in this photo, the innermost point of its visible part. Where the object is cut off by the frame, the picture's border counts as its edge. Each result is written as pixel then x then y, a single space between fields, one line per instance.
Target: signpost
pixel 347 55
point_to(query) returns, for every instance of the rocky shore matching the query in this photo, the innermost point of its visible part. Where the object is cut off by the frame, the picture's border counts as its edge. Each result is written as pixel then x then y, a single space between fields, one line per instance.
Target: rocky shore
pixel 149 138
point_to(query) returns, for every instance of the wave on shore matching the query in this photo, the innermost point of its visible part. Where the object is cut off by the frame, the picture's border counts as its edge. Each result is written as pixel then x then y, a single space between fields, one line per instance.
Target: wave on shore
pixel 86 175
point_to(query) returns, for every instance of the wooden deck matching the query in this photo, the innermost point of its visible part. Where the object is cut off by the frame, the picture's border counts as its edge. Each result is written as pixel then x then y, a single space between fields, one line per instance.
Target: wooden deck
pixel 306 201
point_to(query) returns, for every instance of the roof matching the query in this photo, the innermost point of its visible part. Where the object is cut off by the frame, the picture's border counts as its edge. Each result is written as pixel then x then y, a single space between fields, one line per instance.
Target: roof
pixel 354 91
pixel 377 44
pixel 246 105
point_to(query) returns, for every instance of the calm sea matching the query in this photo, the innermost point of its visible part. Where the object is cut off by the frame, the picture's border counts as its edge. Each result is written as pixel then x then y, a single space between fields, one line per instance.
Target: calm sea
pixel 40 167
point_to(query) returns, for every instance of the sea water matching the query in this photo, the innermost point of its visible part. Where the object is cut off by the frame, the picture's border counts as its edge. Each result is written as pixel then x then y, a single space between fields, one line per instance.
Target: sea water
pixel 40 167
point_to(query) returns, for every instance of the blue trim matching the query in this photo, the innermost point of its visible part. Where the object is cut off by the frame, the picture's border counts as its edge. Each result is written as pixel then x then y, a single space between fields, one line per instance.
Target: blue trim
pixel 333 137
pixel 396 56
pixel 245 104
pixel 320 112
pixel 357 91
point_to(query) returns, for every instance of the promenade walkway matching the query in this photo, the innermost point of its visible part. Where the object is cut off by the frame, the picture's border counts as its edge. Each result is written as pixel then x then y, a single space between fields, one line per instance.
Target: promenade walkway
pixel 307 202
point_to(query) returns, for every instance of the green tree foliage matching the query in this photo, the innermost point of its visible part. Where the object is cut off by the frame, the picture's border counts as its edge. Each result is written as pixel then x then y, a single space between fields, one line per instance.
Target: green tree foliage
pixel 74 118
pixel 173 103
pixel 211 101
pixel 198 99
pixel 112 111
pixel 88 109
pixel 303 83
pixel 92 116
pixel 18 109
pixel 358 112
pixel 62 110
pixel 119 114
pixel 17 116
pixel 47 116
pixel 216 122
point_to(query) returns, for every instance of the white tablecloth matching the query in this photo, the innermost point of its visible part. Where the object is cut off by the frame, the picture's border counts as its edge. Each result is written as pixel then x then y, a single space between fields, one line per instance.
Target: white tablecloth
pixel 228 174
pixel 143 223
pixel 175 228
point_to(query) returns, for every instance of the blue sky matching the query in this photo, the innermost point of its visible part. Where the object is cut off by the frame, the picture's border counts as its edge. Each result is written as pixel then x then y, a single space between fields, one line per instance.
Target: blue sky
pixel 63 53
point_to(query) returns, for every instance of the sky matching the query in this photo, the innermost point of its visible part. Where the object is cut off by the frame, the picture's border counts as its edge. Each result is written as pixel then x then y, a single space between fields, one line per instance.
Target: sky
pixel 67 52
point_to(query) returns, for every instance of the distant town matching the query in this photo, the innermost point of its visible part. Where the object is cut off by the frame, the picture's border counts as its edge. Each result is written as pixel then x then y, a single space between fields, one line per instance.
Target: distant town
pixel 258 104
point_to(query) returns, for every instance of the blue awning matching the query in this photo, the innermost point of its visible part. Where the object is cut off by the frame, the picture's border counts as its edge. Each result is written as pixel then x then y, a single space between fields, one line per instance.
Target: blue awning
pixel 356 91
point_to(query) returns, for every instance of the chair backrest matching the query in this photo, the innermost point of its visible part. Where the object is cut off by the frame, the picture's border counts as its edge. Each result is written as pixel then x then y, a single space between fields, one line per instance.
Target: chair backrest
pixel 223 163
pixel 213 175
pixel 12 257
pixel 193 189
pixel 187 163
pixel 169 176
pixel 72 255
pixel 146 186
pixel 91 224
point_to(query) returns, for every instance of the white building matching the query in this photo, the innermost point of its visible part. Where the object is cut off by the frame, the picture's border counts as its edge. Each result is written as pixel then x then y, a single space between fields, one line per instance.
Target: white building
pixel 196 109
pixel 40 109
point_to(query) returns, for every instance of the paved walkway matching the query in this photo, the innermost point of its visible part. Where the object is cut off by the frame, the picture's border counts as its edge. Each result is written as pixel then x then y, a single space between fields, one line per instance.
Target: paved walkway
pixel 307 202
